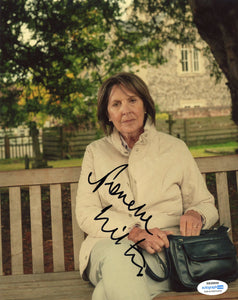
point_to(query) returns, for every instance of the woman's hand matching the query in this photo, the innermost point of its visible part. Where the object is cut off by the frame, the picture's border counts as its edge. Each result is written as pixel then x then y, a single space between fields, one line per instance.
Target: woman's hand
pixel 190 223
pixel 154 242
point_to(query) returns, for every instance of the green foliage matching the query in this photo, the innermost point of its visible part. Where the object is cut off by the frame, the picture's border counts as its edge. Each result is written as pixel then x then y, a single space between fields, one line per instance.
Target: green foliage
pixel 60 51
pixel 213 66
pixel 10 114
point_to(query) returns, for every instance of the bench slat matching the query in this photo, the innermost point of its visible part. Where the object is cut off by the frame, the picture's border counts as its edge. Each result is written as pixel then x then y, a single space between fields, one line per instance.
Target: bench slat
pixel 57 227
pixel 39 176
pixel 233 295
pixel 78 235
pixel 36 229
pixel 1 264
pixel 217 163
pixel 53 286
pixel 71 174
pixel 16 230
pixel 223 199
pixel 61 286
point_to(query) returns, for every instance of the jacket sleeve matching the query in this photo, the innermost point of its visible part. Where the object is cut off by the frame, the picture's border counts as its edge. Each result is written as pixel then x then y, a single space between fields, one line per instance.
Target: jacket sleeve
pixel 195 193
pixel 89 206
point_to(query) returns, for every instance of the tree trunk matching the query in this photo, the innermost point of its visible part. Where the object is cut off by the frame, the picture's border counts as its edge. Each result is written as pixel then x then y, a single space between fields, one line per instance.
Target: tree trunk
pixel 38 162
pixel 217 23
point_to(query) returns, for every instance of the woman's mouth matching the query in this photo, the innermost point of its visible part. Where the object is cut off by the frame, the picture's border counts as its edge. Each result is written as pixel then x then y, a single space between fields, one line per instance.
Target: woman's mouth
pixel 128 121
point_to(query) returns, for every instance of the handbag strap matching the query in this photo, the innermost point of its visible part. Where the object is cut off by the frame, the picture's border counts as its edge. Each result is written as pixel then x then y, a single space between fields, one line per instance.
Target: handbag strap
pixel 166 267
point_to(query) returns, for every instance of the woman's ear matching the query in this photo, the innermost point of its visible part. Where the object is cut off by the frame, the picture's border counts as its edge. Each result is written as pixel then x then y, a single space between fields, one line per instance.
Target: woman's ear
pixel 108 117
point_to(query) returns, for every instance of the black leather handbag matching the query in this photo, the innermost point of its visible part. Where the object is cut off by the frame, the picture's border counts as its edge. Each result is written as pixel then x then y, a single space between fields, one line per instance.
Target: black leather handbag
pixel 193 259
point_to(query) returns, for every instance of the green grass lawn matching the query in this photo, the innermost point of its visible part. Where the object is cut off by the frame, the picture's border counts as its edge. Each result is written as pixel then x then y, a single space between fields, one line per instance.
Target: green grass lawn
pixel 197 151
pixel 19 164
pixel 212 150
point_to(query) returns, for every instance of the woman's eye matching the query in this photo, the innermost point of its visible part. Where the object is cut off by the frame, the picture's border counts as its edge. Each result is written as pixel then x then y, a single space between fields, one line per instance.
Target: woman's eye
pixel 115 104
pixel 133 100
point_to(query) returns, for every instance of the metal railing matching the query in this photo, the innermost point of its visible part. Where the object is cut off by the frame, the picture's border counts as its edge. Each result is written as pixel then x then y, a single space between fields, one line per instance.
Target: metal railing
pixel 17 146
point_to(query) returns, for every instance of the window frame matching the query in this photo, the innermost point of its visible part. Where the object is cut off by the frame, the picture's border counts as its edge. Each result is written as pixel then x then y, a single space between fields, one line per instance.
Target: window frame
pixel 190 60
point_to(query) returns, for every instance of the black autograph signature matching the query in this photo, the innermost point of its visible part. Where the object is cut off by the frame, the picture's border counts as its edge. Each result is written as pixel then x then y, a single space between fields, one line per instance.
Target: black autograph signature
pixel 114 190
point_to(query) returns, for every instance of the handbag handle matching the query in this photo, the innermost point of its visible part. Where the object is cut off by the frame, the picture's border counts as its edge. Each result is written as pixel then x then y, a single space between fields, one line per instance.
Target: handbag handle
pixel 166 268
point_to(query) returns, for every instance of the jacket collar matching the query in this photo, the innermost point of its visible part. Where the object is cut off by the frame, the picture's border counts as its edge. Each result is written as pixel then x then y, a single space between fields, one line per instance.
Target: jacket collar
pixel 115 138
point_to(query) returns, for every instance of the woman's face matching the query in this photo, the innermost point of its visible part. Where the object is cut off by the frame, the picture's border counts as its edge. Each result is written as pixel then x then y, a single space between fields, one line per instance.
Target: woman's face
pixel 126 111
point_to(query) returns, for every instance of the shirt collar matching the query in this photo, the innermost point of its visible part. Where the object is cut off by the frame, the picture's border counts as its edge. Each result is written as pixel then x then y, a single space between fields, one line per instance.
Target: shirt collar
pixel 124 143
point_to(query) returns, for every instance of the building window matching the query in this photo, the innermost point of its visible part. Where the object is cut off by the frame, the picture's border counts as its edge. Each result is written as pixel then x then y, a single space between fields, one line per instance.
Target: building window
pixel 189 60
pixel 192 103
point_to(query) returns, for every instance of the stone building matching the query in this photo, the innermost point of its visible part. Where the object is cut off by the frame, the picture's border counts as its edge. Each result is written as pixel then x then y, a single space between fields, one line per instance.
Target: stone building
pixel 183 86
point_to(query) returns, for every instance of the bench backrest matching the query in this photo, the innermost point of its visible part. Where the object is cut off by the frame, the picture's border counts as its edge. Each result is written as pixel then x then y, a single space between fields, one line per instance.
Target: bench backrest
pixel 14 181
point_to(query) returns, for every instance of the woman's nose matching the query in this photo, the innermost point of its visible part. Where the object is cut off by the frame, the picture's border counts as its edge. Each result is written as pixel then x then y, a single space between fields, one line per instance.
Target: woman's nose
pixel 125 108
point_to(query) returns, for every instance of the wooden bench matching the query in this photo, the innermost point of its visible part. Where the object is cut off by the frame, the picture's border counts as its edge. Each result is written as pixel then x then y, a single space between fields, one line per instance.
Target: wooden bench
pixel 60 283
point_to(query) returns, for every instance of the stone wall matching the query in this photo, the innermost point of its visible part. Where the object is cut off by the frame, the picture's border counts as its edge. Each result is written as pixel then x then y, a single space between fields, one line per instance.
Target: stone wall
pixel 172 90
pixel 198 112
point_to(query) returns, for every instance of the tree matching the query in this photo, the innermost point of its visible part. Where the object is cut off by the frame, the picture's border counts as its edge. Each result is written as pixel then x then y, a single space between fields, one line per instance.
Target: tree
pixel 72 47
pixel 217 23
pixel 10 114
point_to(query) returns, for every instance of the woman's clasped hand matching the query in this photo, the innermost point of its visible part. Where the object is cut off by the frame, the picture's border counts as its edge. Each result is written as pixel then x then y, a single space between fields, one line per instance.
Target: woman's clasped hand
pixel 154 240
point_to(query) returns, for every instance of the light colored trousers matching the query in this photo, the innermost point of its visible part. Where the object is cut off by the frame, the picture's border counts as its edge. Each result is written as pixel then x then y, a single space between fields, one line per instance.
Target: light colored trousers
pixel 114 275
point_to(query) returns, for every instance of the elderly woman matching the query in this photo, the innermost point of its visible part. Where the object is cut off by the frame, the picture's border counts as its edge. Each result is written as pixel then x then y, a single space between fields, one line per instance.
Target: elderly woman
pixel 137 185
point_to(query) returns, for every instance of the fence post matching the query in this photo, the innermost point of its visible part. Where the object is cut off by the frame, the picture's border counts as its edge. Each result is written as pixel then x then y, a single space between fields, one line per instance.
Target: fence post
pixel 185 123
pixel 62 142
pixel 27 162
pixel 7 146
pixel 171 122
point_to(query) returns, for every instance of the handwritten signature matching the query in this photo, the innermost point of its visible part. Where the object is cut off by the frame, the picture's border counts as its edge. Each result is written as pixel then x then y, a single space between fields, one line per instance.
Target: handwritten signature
pixel 115 190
